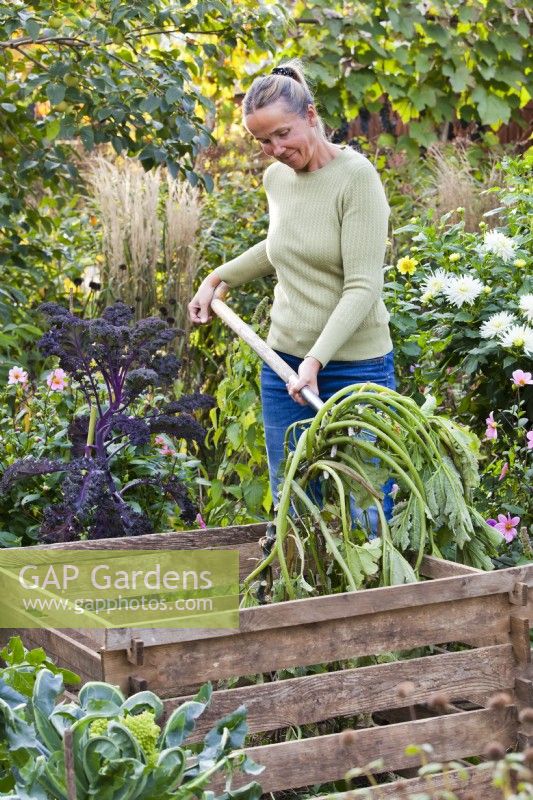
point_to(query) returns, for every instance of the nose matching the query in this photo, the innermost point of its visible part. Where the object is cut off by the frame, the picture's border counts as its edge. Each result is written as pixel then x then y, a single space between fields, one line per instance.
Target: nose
pixel 277 150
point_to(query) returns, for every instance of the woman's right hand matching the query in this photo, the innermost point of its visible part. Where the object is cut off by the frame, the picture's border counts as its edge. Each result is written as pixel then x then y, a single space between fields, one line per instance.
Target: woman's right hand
pixel 200 305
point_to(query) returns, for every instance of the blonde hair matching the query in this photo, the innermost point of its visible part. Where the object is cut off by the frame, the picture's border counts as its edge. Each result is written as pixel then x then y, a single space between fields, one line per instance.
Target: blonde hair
pixel 287 83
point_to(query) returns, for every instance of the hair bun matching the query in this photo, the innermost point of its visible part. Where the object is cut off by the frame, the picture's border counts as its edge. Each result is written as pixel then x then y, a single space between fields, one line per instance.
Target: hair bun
pixel 289 72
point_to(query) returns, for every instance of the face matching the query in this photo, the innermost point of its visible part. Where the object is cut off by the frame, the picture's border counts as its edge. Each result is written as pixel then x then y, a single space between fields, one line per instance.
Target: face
pixel 285 136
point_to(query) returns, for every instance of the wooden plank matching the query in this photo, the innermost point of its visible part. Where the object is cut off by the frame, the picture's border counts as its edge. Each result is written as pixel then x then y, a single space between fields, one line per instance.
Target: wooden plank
pixel 313 698
pixel 170 668
pixel 436 568
pixel 346 605
pixel 327 758
pixel 459 782
pixel 520 639
pixel 65 651
pixel 207 538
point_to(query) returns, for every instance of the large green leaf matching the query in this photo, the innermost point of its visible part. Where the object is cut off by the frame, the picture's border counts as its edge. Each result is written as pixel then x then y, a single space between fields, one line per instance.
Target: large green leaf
pixel 97 690
pixel 491 108
pixel 141 701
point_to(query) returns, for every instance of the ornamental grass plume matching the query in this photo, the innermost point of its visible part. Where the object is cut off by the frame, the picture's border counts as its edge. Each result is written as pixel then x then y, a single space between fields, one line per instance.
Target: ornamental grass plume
pixel 113 362
pixel 127 198
pixel 150 230
pixel 181 227
pixel 457 191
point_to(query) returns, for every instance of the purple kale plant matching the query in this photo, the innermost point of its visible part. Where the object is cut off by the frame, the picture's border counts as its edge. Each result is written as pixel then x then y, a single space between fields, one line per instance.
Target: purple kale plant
pixel 116 363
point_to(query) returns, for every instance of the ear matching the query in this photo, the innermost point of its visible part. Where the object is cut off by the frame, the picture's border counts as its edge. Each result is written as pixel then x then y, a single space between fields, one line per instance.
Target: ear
pixel 312 115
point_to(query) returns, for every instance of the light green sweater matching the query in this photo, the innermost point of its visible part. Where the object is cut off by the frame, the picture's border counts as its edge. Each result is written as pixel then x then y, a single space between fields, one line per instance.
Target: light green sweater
pixel 326 244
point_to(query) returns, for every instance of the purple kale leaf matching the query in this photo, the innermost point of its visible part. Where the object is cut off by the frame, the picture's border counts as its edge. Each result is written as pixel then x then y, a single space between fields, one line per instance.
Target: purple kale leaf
pixel 135 428
pixel 127 357
pixel 189 403
pixel 77 433
pixel 26 467
pixel 183 426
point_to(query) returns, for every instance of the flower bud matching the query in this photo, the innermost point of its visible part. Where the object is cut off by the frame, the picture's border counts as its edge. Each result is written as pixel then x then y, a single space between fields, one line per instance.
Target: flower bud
pixel 500 700
pixel 526 715
pixel 494 751
pixel 405 689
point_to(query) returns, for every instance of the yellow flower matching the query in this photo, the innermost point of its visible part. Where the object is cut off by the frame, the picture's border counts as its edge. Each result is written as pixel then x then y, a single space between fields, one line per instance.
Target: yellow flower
pixel 406 265
pixel 69 285
pixel 487 290
pixel 520 262
pixel 455 256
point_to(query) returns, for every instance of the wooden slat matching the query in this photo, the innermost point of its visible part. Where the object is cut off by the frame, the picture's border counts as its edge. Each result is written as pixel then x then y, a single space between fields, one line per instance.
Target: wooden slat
pixel 313 698
pixel 170 668
pixel 346 605
pixel 459 782
pixel 65 651
pixel 436 568
pixel 328 758
pixel 520 639
pixel 206 538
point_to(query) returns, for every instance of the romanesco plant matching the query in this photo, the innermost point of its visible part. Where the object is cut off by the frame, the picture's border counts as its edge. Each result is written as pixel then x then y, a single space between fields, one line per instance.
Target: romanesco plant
pixel 143 727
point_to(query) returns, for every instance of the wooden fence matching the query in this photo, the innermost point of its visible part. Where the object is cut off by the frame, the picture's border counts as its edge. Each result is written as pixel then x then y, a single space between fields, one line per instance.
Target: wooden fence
pixel 474 626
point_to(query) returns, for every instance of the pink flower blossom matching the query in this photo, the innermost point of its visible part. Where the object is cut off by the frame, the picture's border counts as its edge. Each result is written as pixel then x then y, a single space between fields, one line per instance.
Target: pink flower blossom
pixel 160 440
pixel 521 378
pixel 529 437
pixel 200 521
pixel 57 380
pixel 507 526
pixel 165 450
pixel 17 375
pixel 505 470
pixel 492 427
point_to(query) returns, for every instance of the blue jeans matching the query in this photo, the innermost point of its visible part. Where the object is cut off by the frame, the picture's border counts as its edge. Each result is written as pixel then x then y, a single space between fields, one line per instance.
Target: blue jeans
pixel 280 411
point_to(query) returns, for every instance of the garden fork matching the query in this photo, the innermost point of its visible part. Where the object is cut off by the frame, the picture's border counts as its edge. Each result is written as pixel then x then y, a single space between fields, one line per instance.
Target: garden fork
pixel 269 356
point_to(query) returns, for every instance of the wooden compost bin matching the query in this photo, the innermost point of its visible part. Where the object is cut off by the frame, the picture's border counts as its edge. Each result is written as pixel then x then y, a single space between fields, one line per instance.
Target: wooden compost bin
pixel 487 611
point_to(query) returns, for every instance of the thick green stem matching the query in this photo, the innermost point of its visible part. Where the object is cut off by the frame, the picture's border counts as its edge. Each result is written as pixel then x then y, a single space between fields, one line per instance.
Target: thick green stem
pixel 281 522
pixel 374 451
pixel 315 511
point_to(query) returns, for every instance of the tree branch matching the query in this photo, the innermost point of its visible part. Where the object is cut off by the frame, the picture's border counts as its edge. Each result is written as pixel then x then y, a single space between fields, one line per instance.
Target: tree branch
pixel 185 31
pixel 30 58
pixel 69 41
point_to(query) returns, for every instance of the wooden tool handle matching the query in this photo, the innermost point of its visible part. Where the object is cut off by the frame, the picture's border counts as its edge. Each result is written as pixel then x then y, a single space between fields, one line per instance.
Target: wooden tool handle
pixel 265 352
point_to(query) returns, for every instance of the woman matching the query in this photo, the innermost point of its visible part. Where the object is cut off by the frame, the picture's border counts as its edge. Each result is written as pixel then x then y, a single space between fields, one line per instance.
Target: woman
pixel 326 244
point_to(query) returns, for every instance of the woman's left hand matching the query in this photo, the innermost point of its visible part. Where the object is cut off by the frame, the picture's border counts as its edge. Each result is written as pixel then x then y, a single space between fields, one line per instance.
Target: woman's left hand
pixel 307 376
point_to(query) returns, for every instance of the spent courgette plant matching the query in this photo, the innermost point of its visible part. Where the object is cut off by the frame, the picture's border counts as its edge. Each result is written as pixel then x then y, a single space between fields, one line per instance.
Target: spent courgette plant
pixel 362 436
pixel 119 750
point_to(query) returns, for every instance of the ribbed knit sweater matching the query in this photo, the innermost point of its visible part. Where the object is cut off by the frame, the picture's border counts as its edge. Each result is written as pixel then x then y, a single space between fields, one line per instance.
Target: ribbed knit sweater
pixel 326 244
